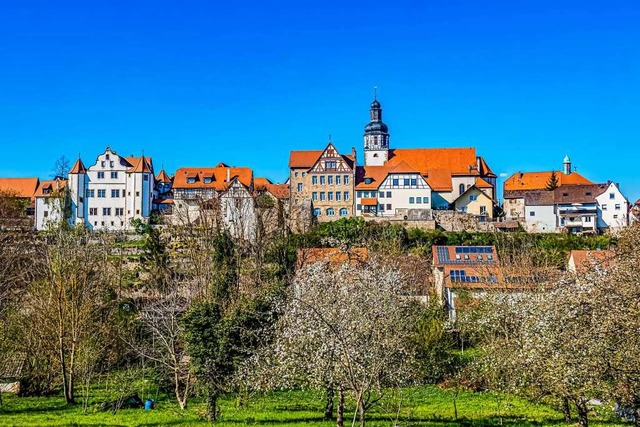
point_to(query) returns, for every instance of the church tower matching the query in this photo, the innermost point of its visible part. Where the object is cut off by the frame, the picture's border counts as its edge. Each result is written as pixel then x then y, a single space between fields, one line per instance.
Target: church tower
pixel 376 137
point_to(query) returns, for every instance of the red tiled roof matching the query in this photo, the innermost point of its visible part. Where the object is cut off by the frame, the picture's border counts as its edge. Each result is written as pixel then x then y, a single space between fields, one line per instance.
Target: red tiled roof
pixel 279 191
pixel 376 173
pixel 142 166
pixel 21 187
pixel 481 183
pixel 439 179
pixel 218 177
pixel 304 159
pixel 78 167
pixel 583 261
pixel 539 180
pixel 50 188
pixel 163 177
pixel 460 161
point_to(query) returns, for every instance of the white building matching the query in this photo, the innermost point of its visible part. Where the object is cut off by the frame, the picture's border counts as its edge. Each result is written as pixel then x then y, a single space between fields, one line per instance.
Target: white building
pixel 613 208
pixel 50 198
pixel 112 192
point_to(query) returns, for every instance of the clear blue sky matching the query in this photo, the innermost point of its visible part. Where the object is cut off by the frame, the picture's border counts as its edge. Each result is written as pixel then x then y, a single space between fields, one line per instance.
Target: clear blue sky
pixel 195 83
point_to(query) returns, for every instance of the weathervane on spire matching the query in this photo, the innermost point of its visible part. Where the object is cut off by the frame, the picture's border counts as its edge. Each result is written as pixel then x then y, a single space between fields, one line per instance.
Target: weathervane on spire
pixel 329 137
pixel 375 93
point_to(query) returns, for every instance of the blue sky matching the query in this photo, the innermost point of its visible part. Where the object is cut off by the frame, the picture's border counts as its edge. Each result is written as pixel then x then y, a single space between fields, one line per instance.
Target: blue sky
pixel 195 83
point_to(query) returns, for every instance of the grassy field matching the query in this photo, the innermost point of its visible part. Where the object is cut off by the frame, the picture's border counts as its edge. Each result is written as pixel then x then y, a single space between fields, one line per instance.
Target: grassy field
pixel 426 406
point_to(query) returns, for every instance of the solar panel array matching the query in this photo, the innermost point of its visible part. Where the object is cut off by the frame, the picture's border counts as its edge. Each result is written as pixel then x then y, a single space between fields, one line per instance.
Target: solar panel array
pixel 443 254
pixel 473 249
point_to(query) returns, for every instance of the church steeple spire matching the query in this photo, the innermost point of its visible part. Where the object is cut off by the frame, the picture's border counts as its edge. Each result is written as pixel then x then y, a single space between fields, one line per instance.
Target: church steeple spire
pixel 376 136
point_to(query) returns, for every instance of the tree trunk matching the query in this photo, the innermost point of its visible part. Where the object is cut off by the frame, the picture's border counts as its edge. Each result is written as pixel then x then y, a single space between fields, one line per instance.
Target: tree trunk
pixel 212 406
pixel 361 411
pixel 566 409
pixel 581 405
pixel 328 406
pixel 340 413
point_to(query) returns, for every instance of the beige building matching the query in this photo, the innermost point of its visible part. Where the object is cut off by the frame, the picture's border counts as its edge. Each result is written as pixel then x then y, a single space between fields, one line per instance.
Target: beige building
pixel 324 177
pixel 475 201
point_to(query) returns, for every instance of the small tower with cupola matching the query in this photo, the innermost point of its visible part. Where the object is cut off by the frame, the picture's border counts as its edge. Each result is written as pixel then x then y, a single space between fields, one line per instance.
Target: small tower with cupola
pixel 77 192
pixel 376 137
pixel 566 165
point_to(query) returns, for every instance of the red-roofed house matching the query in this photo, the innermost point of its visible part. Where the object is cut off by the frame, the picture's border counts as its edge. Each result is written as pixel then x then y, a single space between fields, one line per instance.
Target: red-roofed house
pixel 50 198
pixel 401 180
pixel 325 178
pixel 21 188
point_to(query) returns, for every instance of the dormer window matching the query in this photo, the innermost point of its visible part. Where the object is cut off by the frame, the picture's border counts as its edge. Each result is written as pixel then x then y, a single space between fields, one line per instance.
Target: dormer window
pixel 191 180
pixel 207 180
pixel 368 180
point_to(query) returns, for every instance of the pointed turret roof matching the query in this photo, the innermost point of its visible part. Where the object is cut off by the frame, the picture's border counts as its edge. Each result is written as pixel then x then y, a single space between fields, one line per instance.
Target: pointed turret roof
pixel 78 167
pixel 163 177
pixel 141 167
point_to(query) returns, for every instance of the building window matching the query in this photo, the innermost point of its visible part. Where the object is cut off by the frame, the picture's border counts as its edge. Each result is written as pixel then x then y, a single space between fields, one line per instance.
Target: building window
pixel 330 165
pixel 330 180
pixel 389 194
pixel 191 180
pixel 425 199
pixel 106 211
pixel 101 174
pixel 359 194
pixel 317 211
pixel 314 196
pixel 617 207
pixel 119 211
pixel 395 182
pixel 330 196
pixel 473 197
pixel 388 206
pixel 418 199
pixel 304 174
pixel 615 217
pixel 296 174
pixel 587 219
pixel 145 177
pixel 93 211
pixel 604 207
pixel 114 175
pixel 137 194
pixel 346 179
pixel 111 164
pixel 299 186
pixel 115 193
pixel 112 223
pixel 483 210
pixel 346 196
pixel 322 179
pixel 91 193
pixel 612 196
pixel 344 212
pixel 337 179
pixel 102 193
pixel 330 212
pixel 207 180
pixel 532 213
pixel 338 195
pixel 411 200
pixel 107 156
pixel 103 165
pixel 461 188
pixel 406 182
pixel 381 207
pixel 314 180
pixel 322 196
pixel 359 207
pixel 381 194
pixel 137 211
pixel 414 182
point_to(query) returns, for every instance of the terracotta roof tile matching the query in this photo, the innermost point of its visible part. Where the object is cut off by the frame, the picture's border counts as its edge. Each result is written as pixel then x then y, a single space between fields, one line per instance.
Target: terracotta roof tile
pixel 78 167
pixel 279 191
pixel 439 179
pixel 304 159
pixel 218 177
pixel 377 174
pixel 577 193
pixel 50 188
pixel 163 177
pixel 539 180
pixel 481 183
pixel 143 166
pixel 460 161
pixel 583 261
pixel 21 187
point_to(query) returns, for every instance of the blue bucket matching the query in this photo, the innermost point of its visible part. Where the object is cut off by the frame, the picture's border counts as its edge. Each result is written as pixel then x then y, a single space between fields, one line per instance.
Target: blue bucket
pixel 148 404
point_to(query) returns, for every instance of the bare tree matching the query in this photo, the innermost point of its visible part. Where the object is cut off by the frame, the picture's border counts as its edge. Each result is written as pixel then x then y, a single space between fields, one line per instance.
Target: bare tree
pixel 61 168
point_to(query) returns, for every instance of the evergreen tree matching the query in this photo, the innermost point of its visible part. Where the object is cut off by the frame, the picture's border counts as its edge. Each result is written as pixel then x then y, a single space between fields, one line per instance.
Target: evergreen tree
pixel 553 183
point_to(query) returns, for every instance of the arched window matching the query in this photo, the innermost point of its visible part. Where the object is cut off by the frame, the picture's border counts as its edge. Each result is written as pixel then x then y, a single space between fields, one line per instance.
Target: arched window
pixel 461 188
pixel 330 212
pixel 344 212
pixel 317 212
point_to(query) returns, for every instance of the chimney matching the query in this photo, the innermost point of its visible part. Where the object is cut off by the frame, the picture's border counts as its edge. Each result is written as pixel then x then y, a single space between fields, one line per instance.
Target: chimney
pixel 520 174
pixel 228 174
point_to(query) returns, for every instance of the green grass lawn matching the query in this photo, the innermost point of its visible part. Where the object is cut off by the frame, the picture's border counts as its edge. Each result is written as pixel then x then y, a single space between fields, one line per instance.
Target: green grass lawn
pixel 425 406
